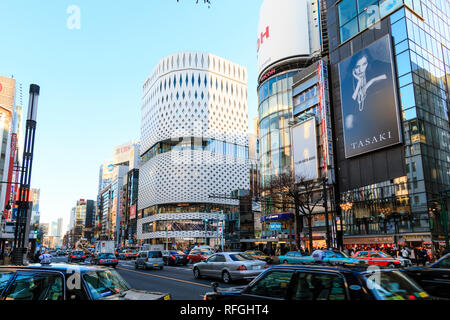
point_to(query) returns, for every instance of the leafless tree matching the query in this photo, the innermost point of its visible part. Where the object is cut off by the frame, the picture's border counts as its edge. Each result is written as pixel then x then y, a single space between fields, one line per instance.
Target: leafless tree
pixel 299 194
pixel 204 1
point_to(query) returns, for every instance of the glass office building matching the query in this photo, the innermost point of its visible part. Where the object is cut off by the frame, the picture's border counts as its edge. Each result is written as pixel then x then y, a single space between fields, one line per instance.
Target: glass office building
pixel 391 196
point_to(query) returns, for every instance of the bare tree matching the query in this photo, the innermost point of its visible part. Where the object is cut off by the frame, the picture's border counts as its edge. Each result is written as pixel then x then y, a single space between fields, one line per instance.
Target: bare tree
pixel 204 1
pixel 301 195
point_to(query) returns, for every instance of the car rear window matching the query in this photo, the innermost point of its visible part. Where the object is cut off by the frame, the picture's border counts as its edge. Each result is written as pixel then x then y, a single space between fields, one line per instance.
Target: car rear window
pixel 107 256
pixel 240 257
pixel 155 254
pixel 77 252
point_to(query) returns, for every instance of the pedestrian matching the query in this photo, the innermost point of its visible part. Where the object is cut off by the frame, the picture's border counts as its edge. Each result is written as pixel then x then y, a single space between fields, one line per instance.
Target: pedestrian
pixel 404 252
pixel 425 256
pixel 346 251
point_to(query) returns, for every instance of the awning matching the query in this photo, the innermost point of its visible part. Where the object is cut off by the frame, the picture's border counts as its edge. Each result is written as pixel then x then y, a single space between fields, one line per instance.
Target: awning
pixel 369 240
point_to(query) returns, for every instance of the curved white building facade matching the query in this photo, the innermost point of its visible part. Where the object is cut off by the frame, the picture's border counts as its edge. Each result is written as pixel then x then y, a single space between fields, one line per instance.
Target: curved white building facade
pixel 194 143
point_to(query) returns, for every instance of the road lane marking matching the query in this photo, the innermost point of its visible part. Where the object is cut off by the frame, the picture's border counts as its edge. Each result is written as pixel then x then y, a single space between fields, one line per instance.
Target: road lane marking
pixel 168 278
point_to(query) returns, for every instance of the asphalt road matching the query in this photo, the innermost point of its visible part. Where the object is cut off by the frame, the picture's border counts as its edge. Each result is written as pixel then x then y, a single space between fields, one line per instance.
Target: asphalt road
pixel 178 281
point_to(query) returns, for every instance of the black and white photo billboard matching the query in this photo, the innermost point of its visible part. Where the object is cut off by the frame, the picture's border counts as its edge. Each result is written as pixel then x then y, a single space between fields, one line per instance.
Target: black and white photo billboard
pixel 369 105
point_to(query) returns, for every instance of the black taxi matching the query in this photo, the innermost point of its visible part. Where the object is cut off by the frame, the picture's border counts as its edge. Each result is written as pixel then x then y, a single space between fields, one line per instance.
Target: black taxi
pixel 325 282
pixel 60 281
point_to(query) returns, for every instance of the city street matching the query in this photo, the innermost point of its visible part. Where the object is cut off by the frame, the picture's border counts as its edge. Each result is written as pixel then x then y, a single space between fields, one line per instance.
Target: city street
pixel 178 281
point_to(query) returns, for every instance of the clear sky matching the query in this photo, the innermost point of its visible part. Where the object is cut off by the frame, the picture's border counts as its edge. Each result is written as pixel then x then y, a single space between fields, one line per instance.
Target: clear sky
pixel 91 78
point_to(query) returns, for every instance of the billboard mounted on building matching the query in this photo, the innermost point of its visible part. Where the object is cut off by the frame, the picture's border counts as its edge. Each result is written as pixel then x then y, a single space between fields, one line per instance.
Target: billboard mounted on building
pixel 369 104
pixel 304 150
pixel 283 31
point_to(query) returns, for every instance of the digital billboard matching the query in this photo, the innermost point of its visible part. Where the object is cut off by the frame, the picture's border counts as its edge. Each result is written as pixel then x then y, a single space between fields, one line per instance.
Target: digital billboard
pixel 304 145
pixel 369 104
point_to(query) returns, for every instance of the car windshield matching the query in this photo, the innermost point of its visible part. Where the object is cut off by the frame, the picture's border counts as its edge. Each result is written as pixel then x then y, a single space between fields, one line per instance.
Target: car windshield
pixel 241 257
pixel 105 283
pixel 393 285
pixel 107 256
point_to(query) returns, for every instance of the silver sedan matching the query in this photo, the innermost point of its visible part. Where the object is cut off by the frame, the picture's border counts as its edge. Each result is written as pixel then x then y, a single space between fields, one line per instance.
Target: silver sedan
pixel 229 266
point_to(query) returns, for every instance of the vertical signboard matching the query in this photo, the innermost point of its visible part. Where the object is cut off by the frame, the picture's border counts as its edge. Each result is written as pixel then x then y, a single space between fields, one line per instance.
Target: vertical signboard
pixel 325 121
pixel 369 104
pixel 133 212
pixel 304 145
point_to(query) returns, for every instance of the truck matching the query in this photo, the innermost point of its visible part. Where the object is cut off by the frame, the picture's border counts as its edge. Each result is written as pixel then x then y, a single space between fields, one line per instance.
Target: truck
pixel 104 247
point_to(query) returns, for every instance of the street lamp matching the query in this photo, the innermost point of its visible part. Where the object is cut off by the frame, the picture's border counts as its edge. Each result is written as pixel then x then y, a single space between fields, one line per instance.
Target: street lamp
pixel 21 233
pixel 206 225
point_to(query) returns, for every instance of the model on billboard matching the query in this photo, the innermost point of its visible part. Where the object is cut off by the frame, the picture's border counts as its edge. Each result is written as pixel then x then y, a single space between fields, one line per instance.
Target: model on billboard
pixel 368 99
pixel 359 72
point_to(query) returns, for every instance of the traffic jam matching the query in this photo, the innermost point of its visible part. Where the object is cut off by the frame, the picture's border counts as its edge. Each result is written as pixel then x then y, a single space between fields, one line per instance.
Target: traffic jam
pixel 294 275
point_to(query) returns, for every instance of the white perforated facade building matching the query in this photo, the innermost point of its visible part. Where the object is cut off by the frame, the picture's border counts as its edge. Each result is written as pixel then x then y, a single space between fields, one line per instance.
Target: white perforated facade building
pixel 194 143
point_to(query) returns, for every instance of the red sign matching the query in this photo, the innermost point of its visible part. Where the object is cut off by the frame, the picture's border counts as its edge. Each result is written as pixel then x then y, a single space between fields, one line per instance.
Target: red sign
pixel 133 212
pixel 263 35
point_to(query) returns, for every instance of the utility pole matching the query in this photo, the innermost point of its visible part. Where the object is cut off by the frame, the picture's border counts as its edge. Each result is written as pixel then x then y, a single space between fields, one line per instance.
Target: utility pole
pixel 21 233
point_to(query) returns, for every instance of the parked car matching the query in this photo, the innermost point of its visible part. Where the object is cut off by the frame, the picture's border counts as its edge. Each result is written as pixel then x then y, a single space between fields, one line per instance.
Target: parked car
pixel 149 259
pixel 329 256
pixel 256 254
pixel 173 258
pixel 77 256
pixel 380 258
pixel 324 282
pixel 197 255
pixel 52 282
pixel 434 278
pixel 290 257
pixel 105 259
pixel 229 266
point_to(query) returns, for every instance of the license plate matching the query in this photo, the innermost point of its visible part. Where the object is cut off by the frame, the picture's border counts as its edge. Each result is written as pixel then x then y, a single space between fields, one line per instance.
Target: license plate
pixel 155 264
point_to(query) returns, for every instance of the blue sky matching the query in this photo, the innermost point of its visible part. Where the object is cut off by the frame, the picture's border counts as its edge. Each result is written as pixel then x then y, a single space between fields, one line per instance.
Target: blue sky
pixel 91 78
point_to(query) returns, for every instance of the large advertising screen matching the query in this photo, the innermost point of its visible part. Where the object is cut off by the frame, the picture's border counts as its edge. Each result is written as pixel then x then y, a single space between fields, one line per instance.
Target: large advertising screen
pixel 369 104
pixel 304 145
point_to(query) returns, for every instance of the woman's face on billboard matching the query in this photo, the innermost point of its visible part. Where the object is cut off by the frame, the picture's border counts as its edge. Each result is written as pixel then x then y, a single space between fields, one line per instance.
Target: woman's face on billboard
pixel 361 66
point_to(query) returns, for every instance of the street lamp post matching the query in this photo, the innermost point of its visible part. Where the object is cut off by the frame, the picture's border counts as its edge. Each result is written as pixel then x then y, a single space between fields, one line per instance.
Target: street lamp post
pixel 21 233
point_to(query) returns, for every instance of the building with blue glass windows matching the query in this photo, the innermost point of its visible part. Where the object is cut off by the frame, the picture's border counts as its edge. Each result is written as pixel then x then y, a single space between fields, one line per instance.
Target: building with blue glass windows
pixel 288 41
pixel 390 64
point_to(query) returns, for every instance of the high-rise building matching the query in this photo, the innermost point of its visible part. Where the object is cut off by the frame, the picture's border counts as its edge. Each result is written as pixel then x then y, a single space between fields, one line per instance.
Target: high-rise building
pixel 109 218
pixel 194 145
pixel 390 87
pixel 289 36
pixel 7 103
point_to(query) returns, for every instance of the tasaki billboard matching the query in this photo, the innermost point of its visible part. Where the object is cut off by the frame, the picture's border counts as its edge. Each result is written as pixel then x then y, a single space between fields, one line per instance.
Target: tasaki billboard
pixel 369 104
